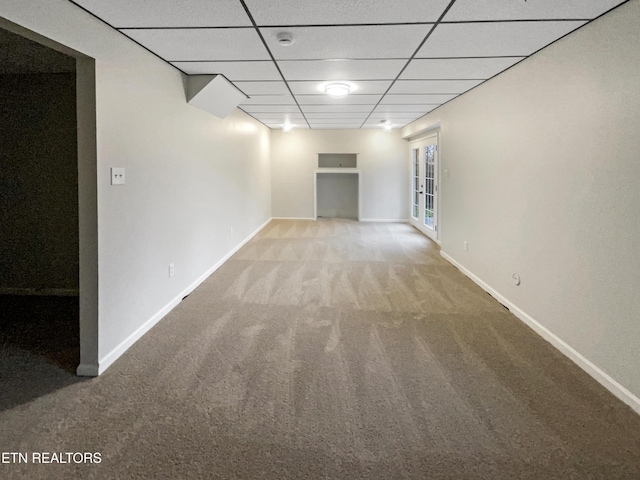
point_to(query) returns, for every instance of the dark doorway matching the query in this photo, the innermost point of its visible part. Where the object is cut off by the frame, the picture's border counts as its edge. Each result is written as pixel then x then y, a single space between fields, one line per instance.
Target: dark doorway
pixel 39 251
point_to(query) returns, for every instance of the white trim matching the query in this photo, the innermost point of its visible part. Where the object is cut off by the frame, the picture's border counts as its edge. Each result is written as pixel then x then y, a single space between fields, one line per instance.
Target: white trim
pixel 385 220
pixel 293 218
pixel 338 170
pixel 106 361
pixel 41 292
pixel 585 364
pixel 422 133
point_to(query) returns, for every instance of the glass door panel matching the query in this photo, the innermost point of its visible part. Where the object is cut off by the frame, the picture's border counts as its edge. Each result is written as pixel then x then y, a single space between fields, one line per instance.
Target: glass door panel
pixel 429 186
pixel 415 183
pixel 424 186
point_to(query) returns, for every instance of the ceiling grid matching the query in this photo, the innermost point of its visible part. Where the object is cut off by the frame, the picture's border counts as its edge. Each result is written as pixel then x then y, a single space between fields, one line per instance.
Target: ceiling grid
pixel 404 58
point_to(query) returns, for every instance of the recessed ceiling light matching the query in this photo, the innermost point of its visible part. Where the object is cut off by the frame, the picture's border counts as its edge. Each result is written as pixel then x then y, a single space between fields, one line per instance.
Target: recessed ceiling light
pixel 337 89
pixel 287 127
pixel 386 124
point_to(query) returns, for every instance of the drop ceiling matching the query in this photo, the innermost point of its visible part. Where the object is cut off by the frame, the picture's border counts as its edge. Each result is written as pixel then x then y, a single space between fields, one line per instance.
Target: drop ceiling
pixel 405 57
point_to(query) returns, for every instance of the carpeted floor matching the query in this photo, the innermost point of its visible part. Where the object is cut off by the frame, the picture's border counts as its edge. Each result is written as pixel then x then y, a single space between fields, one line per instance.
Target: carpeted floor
pixel 326 350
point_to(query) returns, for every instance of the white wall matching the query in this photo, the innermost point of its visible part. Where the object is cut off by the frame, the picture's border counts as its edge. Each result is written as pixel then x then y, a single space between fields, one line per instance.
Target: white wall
pixel 190 177
pixel 382 159
pixel 545 181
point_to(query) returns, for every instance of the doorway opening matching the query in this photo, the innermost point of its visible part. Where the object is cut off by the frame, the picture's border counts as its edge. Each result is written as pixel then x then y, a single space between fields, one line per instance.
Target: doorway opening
pixel 48 207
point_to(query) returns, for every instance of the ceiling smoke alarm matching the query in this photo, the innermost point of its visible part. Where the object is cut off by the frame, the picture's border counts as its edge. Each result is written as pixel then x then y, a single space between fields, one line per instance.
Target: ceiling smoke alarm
pixel 285 39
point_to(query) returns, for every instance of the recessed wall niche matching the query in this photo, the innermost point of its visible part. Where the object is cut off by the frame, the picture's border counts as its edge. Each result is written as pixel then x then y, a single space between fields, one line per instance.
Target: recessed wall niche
pixel 337 160
pixel 337 186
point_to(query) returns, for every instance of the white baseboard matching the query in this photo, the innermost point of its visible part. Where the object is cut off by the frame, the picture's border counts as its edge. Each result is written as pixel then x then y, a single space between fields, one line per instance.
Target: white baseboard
pixel 106 361
pixel 385 220
pixel 368 220
pixel 41 292
pixel 596 372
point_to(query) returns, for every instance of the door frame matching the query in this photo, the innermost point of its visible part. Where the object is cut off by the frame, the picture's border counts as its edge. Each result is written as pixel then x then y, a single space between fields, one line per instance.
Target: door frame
pixel 87 196
pixel 431 137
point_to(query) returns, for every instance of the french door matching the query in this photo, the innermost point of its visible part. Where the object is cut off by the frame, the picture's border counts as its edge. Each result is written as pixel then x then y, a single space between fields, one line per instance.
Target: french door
pixel 424 186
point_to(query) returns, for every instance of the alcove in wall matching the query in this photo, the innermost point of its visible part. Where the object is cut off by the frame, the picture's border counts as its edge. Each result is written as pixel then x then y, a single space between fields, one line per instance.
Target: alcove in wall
pixel 337 186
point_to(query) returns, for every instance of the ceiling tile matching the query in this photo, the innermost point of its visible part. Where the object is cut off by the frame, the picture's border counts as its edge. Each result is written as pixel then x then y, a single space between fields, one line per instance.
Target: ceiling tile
pixel 322 70
pixel 464 10
pixel 337 108
pixel 366 87
pixel 295 126
pixel 262 88
pixel 386 41
pixel 493 39
pixel 286 118
pixel 366 54
pixel 269 100
pixel 234 71
pixel 405 108
pixel 333 126
pixel 335 121
pixel 271 108
pixel 433 86
pixel 202 43
pixel 372 126
pixel 394 123
pixel 279 116
pixel 348 100
pixel 333 12
pixel 457 68
pixel 416 99
pixel 281 120
pixel 332 115
pixel 394 117
pixel 168 13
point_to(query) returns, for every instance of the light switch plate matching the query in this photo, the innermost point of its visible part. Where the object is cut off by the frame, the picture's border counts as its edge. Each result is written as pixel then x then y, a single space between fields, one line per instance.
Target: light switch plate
pixel 117 176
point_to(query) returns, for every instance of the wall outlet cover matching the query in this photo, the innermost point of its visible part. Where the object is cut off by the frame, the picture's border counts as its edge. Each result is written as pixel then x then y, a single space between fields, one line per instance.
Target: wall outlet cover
pixel 117 176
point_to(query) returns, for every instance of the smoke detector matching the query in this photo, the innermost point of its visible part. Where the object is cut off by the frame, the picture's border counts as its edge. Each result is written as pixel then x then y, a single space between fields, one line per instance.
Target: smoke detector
pixel 285 39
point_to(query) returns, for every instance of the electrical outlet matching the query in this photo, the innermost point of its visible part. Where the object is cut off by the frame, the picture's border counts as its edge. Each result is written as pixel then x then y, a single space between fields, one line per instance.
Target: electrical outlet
pixel 172 269
pixel 117 176
pixel 466 246
pixel 231 231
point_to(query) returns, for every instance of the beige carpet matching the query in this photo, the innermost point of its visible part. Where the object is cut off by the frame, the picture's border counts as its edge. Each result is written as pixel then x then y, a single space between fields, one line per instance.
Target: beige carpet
pixel 326 350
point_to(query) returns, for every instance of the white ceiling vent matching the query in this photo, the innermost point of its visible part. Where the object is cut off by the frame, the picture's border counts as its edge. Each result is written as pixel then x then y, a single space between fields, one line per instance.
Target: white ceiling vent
pixel 213 94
